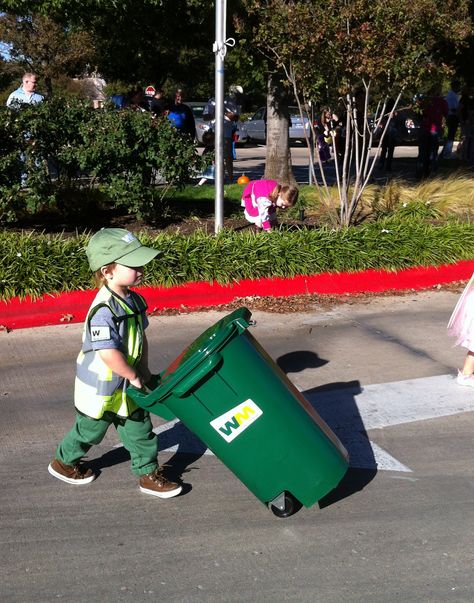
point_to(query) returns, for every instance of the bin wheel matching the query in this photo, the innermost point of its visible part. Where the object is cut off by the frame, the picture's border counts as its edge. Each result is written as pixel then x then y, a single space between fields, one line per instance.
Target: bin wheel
pixel 292 505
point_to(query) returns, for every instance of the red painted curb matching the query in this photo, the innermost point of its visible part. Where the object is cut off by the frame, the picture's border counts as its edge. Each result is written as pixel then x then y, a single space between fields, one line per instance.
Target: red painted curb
pixel 72 307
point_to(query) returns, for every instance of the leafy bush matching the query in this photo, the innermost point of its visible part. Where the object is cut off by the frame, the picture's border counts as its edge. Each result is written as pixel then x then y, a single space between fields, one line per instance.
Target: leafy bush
pixel 63 144
pixel 35 264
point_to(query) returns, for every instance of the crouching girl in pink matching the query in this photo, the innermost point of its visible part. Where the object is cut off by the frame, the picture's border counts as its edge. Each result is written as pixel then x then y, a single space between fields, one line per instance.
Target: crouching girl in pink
pixel 261 198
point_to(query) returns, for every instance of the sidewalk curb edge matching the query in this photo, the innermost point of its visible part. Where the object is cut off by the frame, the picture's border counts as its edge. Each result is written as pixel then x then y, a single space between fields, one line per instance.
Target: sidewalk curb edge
pixel 70 307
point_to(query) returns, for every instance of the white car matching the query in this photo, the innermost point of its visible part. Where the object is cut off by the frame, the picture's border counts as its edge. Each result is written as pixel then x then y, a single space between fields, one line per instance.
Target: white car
pixel 197 107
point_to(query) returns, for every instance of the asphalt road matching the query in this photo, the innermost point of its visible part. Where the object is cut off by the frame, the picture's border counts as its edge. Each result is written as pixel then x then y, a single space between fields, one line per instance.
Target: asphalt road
pixel 398 529
pixel 251 161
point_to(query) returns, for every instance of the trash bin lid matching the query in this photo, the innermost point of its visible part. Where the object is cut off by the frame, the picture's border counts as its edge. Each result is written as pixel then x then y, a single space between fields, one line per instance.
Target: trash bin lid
pixel 213 339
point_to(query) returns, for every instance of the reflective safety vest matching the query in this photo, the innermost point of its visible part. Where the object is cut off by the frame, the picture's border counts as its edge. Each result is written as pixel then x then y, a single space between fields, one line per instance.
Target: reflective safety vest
pixel 98 389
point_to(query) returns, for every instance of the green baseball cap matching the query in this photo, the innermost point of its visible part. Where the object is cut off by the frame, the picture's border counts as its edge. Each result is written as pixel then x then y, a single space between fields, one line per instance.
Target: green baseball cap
pixel 117 245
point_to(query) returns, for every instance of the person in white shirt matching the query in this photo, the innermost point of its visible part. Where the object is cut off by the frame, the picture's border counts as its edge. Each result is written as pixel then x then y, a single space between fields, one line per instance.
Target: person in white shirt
pixel 25 94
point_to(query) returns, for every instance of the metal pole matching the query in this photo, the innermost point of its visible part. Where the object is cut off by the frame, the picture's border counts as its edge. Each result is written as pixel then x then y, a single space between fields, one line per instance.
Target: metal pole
pixel 219 49
pixel 311 146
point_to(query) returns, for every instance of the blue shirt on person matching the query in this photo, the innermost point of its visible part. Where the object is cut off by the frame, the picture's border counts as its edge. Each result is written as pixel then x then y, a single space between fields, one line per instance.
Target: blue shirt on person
pixel 20 97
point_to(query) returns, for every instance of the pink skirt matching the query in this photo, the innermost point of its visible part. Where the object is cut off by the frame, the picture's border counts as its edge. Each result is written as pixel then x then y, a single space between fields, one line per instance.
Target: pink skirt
pixel 461 323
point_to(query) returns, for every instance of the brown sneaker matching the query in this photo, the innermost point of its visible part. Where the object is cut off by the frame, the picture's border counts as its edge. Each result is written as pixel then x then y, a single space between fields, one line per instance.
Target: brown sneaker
pixel 156 484
pixel 72 474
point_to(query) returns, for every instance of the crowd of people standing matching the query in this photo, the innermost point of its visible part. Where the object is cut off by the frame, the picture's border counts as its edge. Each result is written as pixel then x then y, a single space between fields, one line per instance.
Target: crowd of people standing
pixel 154 101
pixel 440 121
pixel 435 121
pixel 181 117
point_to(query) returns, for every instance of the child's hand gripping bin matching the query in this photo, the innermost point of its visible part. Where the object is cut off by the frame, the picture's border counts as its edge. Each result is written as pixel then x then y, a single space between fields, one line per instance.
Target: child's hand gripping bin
pixel 227 390
pixel 145 398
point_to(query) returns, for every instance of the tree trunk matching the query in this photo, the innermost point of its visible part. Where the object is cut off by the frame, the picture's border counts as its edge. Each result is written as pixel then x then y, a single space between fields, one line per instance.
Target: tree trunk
pixel 278 162
pixel 48 86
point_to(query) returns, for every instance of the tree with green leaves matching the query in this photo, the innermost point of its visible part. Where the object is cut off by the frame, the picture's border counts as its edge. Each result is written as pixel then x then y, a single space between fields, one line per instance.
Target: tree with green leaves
pixel 351 49
pixel 43 46
pixel 166 42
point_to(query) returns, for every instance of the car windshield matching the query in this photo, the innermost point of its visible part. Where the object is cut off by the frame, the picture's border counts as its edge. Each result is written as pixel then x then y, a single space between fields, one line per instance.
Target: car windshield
pixel 198 111
pixel 295 113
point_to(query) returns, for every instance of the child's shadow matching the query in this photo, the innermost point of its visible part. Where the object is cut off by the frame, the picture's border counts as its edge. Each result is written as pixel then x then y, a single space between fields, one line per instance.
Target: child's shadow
pixel 186 446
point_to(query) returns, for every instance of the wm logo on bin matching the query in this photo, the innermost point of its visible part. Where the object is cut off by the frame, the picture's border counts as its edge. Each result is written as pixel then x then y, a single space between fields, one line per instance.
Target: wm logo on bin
pixel 233 422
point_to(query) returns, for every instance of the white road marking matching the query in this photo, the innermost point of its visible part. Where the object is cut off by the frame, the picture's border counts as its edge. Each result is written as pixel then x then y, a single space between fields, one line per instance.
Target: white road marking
pixel 383 460
pixel 407 479
pixel 351 412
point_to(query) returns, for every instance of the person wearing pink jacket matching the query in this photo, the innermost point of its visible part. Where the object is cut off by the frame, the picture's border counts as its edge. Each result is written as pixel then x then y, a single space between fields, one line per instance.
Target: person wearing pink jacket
pixel 261 198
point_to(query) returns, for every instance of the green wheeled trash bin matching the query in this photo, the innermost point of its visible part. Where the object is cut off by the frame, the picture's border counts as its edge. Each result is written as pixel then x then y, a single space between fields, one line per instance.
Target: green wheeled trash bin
pixel 228 391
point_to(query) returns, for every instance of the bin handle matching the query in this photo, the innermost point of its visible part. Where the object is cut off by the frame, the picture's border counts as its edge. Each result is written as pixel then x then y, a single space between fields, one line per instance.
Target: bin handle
pixel 242 324
pixel 183 387
pixel 140 397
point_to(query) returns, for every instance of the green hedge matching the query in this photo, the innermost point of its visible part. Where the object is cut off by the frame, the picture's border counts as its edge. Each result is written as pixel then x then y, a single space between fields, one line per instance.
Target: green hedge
pixel 34 264
pixel 71 157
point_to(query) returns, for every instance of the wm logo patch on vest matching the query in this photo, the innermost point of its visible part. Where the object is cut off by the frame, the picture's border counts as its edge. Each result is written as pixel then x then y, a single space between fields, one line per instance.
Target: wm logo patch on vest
pixel 235 421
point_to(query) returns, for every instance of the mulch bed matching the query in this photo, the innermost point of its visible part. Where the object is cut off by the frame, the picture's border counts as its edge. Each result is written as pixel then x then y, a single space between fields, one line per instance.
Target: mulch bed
pixel 307 302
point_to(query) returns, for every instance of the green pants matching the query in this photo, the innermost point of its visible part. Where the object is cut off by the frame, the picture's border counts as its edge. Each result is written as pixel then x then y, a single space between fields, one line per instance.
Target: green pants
pixel 135 432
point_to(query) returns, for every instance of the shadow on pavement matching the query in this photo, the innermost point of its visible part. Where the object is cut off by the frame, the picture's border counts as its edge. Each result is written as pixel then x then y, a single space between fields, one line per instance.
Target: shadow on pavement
pixel 336 404
pixel 116 456
pixel 182 460
pixel 354 481
pixel 294 362
pixel 180 463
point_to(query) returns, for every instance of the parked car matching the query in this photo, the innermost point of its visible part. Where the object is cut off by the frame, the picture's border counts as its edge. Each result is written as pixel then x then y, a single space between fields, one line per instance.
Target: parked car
pixel 240 135
pixel 197 107
pixel 256 126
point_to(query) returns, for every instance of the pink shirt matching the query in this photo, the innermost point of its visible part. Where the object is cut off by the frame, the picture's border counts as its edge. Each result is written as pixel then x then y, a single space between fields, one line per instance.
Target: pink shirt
pixel 434 114
pixel 255 200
